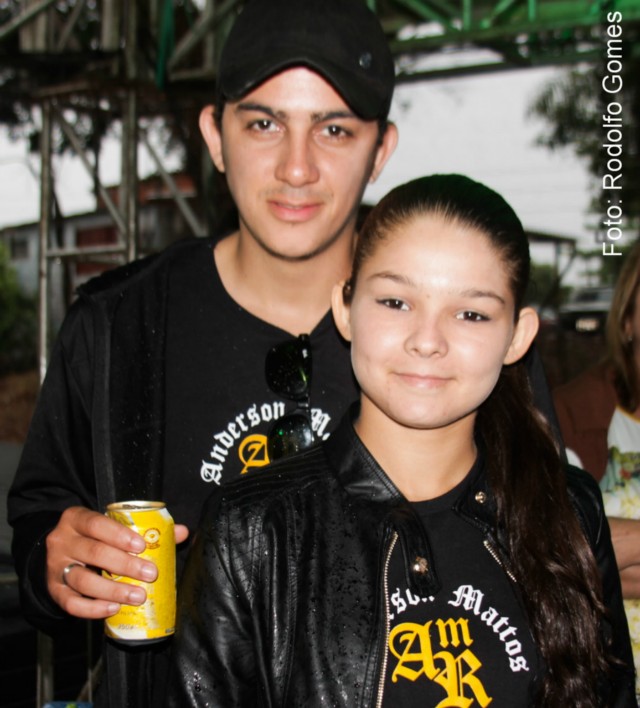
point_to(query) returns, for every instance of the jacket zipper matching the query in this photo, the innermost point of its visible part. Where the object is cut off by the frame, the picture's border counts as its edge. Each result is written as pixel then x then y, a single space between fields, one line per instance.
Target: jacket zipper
pixel 494 554
pixel 387 629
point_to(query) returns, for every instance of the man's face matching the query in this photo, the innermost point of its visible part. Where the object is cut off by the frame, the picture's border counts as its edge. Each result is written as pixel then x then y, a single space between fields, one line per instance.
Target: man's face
pixel 297 162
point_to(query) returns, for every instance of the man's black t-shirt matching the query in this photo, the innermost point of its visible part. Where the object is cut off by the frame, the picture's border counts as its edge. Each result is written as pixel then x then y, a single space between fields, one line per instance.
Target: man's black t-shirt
pixel 218 405
pixel 470 644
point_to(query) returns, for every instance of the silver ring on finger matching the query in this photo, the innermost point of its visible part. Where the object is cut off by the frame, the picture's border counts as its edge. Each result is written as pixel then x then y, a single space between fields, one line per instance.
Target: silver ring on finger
pixel 67 570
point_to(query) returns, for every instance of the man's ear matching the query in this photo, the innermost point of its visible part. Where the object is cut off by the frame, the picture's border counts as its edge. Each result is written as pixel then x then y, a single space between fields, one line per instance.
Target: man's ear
pixel 341 311
pixel 211 135
pixel 384 151
pixel 524 334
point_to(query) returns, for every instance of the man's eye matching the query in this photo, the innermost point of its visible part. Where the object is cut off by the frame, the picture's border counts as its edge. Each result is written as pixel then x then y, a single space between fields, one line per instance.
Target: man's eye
pixel 264 125
pixel 471 316
pixel 336 131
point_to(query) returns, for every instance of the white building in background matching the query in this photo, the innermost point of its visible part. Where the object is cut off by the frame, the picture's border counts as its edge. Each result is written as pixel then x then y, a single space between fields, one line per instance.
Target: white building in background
pixel 160 223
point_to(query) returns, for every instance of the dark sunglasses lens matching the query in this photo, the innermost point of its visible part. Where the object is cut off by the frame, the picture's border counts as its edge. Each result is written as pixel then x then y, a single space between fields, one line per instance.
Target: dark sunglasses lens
pixel 288 368
pixel 289 434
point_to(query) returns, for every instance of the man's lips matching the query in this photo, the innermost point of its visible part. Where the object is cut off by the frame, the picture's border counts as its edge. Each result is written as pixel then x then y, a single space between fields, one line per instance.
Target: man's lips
pixel 294 211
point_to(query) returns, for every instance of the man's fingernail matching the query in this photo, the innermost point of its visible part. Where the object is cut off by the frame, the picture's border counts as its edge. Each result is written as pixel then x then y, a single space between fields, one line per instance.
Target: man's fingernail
pixel 136 596
pixel 138 545
pixel 148 573
pixel 112 608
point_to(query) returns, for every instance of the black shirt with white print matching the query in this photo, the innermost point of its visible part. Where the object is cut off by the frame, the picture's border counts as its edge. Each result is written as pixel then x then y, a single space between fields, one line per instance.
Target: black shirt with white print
pixel 468 646
pixel 219 407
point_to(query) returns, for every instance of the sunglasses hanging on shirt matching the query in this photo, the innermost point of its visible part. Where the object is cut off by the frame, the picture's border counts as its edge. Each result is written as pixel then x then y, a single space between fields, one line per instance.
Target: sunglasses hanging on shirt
pixel 288 373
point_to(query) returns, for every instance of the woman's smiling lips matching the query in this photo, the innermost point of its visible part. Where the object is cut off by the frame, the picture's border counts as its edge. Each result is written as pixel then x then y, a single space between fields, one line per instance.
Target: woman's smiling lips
pixel 426 381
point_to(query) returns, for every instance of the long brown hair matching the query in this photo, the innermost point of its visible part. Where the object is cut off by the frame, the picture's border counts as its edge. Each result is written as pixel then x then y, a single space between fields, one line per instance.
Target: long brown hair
pixel 548 552
pixel 619 345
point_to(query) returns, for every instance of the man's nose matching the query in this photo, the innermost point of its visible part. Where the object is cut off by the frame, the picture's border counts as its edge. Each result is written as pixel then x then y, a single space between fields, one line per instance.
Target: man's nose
pixel 297 164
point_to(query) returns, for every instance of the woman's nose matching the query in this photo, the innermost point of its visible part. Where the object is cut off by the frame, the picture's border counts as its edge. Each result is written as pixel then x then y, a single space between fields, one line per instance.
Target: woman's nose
pixel 427 337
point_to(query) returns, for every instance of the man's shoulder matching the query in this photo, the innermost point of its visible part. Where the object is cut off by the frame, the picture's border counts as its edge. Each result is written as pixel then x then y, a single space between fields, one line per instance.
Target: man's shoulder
pixel 120 278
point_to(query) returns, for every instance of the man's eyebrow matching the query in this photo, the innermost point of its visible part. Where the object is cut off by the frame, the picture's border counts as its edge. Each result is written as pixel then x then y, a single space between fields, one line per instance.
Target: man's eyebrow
pixel 260 108
pixel 319 117
pixel 331 115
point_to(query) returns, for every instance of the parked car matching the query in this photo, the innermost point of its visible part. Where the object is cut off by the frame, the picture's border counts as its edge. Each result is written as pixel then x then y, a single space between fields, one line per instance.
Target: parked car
pixel 587 309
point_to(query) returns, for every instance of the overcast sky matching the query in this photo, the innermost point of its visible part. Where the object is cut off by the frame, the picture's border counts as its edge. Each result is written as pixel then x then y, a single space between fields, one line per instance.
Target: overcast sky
pixel 476 125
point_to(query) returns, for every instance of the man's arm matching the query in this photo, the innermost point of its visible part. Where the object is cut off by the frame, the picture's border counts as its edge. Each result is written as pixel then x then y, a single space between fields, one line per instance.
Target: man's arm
pixel 52 503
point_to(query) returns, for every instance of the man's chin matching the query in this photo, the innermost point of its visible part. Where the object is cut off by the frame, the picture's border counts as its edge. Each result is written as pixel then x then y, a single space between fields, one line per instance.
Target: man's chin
pixel 297 254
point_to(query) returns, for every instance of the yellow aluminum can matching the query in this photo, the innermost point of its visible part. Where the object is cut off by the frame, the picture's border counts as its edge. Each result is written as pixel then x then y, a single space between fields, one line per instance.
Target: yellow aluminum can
pixel 155 619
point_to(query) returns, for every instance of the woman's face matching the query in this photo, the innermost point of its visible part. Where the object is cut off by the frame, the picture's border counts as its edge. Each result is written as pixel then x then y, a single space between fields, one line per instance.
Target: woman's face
pixel 431 324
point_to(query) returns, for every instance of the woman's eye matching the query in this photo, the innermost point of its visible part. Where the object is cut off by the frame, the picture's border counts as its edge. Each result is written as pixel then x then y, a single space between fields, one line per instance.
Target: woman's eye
pixel 394 304
pixel 471 316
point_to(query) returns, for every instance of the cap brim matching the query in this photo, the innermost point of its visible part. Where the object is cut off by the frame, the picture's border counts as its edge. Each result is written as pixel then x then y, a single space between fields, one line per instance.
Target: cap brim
pixel 351 87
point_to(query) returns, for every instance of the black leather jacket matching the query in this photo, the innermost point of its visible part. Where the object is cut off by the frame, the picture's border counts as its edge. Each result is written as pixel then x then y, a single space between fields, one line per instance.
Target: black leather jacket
pixel 283 601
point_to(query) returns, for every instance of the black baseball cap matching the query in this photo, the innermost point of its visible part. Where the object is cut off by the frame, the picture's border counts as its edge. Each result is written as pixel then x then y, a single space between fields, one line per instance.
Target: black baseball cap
pixel 341 40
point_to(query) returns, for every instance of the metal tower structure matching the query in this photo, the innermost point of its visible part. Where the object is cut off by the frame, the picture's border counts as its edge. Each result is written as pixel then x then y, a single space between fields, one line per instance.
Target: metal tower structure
pixel 81 65
pixel 85 64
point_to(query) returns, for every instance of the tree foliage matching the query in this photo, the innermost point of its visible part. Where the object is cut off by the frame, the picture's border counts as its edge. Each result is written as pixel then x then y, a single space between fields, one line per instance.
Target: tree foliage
pixel 96 108
pixel 18 331
pixel 24 72
pixel 572 107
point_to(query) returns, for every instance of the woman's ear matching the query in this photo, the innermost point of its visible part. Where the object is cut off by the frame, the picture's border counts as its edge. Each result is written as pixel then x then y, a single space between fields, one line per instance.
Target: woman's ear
pixel 211 135
pixel 523 335
pixel 341 311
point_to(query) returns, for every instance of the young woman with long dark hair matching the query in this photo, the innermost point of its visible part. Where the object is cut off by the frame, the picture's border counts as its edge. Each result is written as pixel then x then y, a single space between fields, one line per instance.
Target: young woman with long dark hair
pixel 434 550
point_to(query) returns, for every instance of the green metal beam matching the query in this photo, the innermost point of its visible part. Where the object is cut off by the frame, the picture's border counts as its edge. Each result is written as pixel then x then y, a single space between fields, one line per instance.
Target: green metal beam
pixel 519 32
pixel 479 19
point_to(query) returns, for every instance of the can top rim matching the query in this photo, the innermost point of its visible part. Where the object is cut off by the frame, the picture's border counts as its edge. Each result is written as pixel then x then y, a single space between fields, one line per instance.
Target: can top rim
pixel 136 505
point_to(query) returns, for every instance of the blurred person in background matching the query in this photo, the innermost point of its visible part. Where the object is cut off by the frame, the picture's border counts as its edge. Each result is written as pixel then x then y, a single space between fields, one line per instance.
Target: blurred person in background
pixel 599 416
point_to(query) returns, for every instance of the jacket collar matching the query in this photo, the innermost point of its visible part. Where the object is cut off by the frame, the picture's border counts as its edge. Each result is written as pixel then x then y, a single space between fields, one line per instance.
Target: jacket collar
pixel 357 470
pixel 363 477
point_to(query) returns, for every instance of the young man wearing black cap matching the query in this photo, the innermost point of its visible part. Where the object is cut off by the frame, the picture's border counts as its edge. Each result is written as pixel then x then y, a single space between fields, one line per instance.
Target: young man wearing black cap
pixel 156 387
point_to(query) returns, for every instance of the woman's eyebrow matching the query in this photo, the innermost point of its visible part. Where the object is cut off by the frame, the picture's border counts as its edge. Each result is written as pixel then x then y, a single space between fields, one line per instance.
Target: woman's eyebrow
pixel 476 293
pixel 468 292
